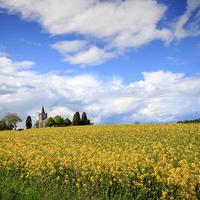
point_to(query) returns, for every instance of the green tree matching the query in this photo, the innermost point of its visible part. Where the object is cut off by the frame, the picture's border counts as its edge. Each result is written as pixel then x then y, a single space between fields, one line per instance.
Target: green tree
pixel 76 119
pixel 58 120
pixel 67 122
pixel 50 122
pixel 84 117
pixel 12 120
pixel 3 125
pixel 28 122
pixel 36 125
pixel 84 120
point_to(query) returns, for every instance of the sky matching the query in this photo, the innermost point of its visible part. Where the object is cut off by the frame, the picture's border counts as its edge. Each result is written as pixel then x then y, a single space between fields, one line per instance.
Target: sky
pixel 120 61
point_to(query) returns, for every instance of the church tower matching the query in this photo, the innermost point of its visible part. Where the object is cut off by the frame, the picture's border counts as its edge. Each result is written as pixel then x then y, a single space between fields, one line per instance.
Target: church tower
pixel 42 118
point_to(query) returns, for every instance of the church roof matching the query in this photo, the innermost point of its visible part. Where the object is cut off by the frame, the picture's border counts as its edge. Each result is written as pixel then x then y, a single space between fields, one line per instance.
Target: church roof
pixel 44 120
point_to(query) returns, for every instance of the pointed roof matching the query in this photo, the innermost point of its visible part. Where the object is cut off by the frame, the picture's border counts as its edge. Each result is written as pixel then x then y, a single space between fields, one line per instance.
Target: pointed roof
pixel 43 109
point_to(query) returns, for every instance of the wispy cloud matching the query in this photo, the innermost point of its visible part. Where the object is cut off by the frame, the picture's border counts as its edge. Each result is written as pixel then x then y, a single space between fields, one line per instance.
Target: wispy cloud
pixel 175 62
pixel 69 71
pixel 183 27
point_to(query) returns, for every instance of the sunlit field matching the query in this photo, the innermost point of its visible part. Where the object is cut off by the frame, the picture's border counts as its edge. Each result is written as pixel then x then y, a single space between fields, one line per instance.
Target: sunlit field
pixel 101 162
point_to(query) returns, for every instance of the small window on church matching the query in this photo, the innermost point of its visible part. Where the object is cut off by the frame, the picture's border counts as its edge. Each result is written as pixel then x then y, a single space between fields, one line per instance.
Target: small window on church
pixel 43 124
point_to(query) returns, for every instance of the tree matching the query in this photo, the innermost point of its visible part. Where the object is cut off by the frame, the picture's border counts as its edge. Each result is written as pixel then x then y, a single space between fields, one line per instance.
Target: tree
pixel 84 117
pixel 28 122
pixel 58 120
pixel 67 122
pixel 76 119
pixel 36 125
pixel 50 122
pixel 12 120
pixel 84 120
pixel 3 125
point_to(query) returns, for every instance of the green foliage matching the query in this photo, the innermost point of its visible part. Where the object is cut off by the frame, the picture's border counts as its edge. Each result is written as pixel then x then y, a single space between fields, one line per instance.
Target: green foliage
pixel 11 120
pixel 50 122
pixel 3 125
pixel 28 122
pixel 20 129
pixel 189 121
pixel 36 125
pixel 84 117
pixel 84 120
pixel 76 119
pixel 67 122
pixel 58 120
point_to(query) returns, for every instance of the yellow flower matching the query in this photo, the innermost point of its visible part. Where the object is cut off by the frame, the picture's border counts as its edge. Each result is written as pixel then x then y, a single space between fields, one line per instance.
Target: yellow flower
pixel 164 194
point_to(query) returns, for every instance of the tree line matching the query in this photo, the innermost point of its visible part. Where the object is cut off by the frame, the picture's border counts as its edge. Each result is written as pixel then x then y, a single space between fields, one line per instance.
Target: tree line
pixel 9 121
pixel 59 121
pixel 189 121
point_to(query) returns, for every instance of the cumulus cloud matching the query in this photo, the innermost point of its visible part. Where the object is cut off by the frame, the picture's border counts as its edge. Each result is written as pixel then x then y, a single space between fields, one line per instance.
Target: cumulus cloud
pixel 159 97
pixel 85 55
pixel 117 25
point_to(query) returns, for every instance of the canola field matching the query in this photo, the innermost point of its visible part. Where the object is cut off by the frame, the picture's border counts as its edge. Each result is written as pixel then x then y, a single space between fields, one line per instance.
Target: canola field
pixel 144 161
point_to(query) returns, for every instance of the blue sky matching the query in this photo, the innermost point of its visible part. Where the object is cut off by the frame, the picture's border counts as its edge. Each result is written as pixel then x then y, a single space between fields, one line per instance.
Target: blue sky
pixel 119 61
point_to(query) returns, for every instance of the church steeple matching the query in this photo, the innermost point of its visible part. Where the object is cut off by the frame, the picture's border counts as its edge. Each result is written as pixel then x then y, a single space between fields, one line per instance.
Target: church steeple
pixel 42 118
pixel 42 110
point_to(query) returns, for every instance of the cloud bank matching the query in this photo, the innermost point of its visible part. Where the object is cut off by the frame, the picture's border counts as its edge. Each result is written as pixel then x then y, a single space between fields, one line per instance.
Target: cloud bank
pixel 160 97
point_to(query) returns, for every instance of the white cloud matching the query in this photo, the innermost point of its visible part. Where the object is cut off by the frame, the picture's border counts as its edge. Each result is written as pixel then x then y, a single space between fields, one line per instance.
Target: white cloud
pixel 62 111
pixel 118 25
pixel 65 47
pixel 160 78
pixel 24 64
pixel 69 71
pixel 92 56
pixel 175 62
pixel 184 27
pixel 159 97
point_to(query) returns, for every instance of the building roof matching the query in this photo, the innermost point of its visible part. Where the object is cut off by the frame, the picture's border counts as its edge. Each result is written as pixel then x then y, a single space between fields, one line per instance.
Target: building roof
pixel 44 120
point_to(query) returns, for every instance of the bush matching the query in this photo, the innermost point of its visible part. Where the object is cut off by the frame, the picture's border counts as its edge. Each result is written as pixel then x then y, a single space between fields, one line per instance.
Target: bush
pixel 20 129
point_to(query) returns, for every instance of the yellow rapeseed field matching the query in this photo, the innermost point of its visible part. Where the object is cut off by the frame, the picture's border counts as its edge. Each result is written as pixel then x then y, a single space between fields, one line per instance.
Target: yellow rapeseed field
pixel 151 159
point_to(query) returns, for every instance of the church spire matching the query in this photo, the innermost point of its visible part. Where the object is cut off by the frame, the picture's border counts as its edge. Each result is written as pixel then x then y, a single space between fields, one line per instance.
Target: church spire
pixel 43 109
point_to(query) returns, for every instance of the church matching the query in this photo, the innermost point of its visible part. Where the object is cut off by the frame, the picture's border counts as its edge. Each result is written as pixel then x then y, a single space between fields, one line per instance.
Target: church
pixel 42 118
